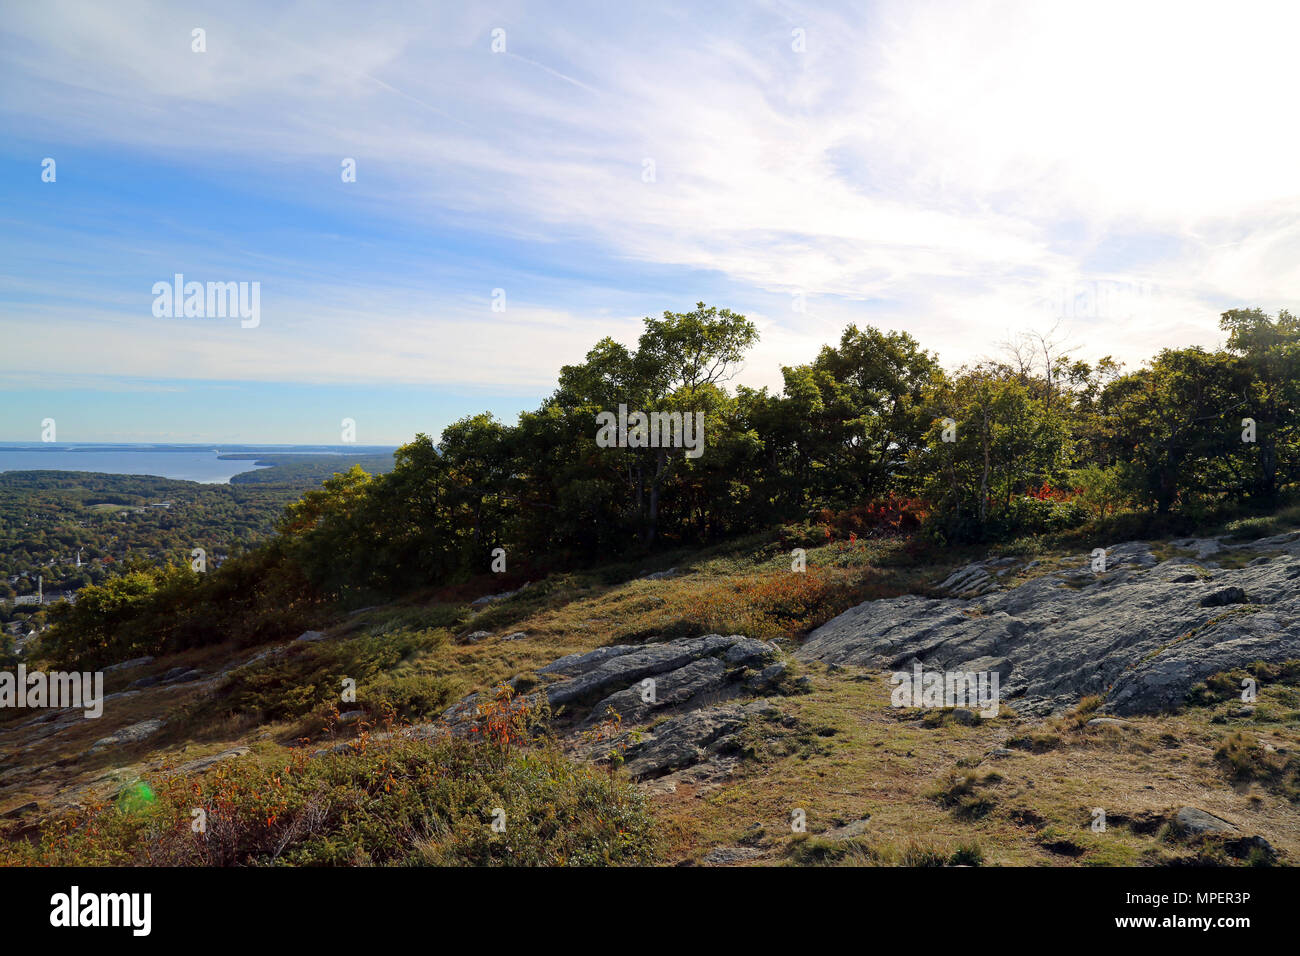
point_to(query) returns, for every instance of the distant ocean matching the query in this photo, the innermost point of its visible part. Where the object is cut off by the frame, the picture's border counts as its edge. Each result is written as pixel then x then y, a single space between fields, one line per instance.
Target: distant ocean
pixel 200 465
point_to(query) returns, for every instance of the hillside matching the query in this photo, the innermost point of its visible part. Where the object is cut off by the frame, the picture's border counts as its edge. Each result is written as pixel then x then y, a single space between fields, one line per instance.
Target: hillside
pixel 49 519
pixel 1121 693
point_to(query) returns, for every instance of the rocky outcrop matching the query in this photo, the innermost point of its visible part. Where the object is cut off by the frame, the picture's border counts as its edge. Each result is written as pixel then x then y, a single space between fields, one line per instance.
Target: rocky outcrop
pixel 177 675
pixel 1197 823
pixel 587 678
pixel 660 575
pixel 129 665
pixel 1142 632
pixel 203 763
pixel 697 685
pixel 704 736
pixel 494 598
pixel 637 703
pixel 133 734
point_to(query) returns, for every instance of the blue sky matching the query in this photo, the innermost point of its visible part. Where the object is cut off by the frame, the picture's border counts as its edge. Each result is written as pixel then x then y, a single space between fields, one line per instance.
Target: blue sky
pixel 966 172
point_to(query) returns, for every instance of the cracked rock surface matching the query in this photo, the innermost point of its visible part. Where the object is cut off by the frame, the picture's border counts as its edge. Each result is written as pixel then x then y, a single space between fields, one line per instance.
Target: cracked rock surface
pixel 1142 633
pixel 698 689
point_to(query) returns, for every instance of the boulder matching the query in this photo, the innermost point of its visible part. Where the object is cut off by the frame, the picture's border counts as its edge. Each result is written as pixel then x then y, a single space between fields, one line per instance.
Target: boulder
pixel 748 652
pixel 669 689
pixel 1197 826
pixel 768 677
pixel 1197 823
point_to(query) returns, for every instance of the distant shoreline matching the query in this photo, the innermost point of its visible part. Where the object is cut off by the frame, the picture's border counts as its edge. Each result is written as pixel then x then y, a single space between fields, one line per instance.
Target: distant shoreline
pixel 221 448
pixel 202 464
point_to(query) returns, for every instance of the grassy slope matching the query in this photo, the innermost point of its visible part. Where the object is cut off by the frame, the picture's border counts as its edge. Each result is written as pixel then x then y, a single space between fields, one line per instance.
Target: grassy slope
pixel 847 754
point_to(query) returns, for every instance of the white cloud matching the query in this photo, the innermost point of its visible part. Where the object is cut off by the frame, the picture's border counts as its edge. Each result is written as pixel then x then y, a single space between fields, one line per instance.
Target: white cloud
pixel 944 167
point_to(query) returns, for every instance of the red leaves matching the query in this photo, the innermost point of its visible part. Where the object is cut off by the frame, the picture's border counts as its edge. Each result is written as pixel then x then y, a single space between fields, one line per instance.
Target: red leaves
pixel 880 517
pixel 1047 493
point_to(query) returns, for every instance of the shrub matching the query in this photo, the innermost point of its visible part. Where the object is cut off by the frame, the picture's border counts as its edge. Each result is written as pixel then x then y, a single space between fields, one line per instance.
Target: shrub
pixel 384 802
pixel 879 517
pixel 960 794
pixel 1032 514
pixel 1078 716
pixel 967 854
pixel 765 606
pixel 252 598
pixel 1102 490
pixel 1245 759
pixel 308 677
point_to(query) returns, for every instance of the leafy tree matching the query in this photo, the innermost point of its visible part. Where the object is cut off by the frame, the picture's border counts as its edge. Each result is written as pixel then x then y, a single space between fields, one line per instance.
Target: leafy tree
pixel 679 361
pixel 991 440
pixel 876 381
pixel 1177 421
pixel 1268 353
pixel 476 461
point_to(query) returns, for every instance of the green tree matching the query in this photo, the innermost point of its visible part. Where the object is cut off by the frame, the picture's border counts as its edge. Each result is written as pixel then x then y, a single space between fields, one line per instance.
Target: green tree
pixel 1177 421
pixel 879 379
pixel 991 440
pixel 1268 352
pixel 678 364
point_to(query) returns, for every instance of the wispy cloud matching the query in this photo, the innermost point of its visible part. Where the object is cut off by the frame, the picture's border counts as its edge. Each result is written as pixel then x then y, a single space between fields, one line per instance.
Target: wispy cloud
pixel 959 170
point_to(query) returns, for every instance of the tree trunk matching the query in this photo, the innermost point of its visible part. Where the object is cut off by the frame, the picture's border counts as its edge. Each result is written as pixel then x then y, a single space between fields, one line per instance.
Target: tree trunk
pixel 652 525
pixel 984 476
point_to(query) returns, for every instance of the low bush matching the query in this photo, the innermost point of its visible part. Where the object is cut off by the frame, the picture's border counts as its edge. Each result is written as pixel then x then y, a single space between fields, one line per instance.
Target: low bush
pixel 393 801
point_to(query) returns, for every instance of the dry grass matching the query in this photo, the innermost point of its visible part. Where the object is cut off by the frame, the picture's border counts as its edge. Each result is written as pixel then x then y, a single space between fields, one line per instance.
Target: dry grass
pixel 938 786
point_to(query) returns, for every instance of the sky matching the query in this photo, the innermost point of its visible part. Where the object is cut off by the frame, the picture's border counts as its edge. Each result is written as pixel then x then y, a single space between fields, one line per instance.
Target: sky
pixel 533 177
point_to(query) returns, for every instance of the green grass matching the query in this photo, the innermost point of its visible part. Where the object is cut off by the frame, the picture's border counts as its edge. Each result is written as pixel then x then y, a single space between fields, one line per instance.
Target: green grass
pixel 1264 526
